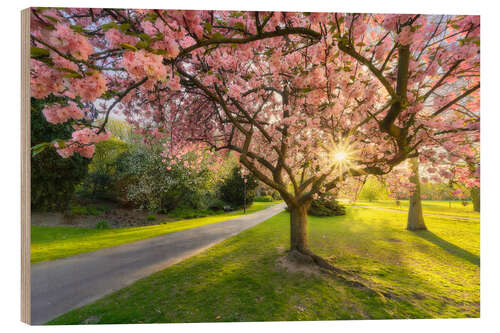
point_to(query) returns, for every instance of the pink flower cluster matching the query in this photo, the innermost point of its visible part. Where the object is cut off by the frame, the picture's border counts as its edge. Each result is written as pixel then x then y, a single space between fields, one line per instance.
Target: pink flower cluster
pixel 70 42
pixel 45 81
pixel 234 91
pixel 56 114
pixel 142 63
pixel 81 142
pixel 91 87
pixel 85 151
pixel 87 135
pixel 115 38
pixel 405 36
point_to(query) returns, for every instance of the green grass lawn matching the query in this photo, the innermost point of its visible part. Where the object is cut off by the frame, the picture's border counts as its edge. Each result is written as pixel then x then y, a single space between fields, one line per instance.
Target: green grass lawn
pixel 429 206
pixel 430 275
pixel 48 243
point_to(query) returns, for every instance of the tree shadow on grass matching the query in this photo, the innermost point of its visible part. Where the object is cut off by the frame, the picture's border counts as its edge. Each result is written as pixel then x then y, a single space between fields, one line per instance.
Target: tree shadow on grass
pixel 449 247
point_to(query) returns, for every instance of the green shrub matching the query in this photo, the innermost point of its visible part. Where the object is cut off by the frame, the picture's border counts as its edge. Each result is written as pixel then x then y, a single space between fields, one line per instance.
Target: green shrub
pixel 265 198
pixel 87 210
pixel 189 213
pixel 217 205
pixel 276 195
pixel 102 225
pixel 78 210
pixel 326 206
pixel 151 184
pixel 151 218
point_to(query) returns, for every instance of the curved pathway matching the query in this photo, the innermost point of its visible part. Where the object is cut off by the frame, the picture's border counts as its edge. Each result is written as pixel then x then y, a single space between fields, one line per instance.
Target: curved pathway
pixel 427 214
pixel 61 285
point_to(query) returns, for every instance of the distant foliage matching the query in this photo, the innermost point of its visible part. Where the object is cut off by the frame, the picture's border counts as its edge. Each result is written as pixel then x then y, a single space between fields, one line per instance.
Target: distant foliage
pixel 373 189
pixel 102 225
pixel 53 178
pixel 232 189
pixel 276 195
pixel 441 191
pixel 102 177
pixel 263 198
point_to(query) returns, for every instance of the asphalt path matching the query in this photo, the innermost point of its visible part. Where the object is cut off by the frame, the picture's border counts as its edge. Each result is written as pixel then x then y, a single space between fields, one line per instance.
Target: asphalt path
pixel 61 285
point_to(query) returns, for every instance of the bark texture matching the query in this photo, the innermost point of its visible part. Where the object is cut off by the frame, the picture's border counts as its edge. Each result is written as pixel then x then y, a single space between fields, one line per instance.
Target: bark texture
pixel 475 193
pixel 298 228
pixel 415 214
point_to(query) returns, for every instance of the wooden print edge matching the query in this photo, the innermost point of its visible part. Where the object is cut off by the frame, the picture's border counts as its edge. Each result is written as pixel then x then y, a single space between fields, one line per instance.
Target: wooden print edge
pixel 25 169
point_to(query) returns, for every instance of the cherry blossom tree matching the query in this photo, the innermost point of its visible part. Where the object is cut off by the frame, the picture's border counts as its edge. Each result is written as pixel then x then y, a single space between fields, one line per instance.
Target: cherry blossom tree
pixel 306 100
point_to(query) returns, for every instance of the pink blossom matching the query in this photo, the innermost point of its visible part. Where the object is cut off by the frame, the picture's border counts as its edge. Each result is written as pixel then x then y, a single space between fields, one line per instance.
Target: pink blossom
pixel 90 87
pixel 141 63
pixel 55 113
pixel 68 41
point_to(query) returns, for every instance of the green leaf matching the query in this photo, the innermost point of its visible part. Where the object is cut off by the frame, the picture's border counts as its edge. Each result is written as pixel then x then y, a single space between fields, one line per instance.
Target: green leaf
pixel 236 14
pixel 208 27
pixel 70 73
pixel 37 149
pixel 144 36
pixel 151 17
pixel 53 19
pixel 124 27
pixel 217 35
pixel 142 45
pixel 72 76
pixel 108 94
pixel 158 36
pixel 159 52
pixel 240 25
pixel 38 52
pixel 60 143
pixel 110 25
pixel 77 28
pixel 128 46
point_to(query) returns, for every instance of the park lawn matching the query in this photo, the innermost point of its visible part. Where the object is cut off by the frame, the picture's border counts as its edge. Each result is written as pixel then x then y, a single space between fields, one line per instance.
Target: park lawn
pixel 428 206
pixel 429 275
pixel 49 243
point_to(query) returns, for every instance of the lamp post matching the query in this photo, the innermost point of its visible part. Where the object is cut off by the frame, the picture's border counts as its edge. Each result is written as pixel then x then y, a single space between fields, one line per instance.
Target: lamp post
pixel 244 194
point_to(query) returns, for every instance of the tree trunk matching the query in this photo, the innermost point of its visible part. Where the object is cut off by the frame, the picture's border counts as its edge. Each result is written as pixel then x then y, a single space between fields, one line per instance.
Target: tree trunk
pixel 415 215
pixel 298 229
pixel 299 250
pixel 475 193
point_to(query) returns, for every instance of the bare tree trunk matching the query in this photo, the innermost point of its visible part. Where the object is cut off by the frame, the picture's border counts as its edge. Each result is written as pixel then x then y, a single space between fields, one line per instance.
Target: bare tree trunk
pixel 299 249
pixel 475 193
pixel 415 215
pixel 298 229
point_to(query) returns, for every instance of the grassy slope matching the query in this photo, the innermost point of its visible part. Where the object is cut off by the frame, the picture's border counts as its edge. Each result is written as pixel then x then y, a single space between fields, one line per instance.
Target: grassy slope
pixel 429 206
pixel 48 243
pixel 433 274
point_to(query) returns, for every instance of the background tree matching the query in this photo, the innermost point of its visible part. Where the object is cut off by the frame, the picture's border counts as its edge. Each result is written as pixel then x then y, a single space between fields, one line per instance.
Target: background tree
pixel 232 189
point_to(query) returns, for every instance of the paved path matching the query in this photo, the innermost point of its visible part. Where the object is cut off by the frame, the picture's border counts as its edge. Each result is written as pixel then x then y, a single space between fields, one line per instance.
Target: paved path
pixel 427 214
pixel 61 285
